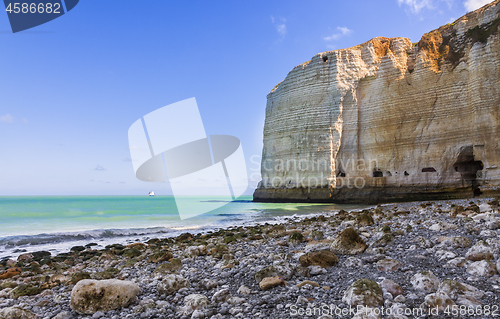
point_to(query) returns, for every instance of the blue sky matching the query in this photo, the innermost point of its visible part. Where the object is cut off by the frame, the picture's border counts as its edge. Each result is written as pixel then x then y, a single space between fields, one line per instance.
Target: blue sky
pixel 71 88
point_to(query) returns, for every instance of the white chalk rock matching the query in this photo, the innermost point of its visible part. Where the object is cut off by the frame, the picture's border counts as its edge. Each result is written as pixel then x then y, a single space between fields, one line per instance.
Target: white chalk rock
pixel 425 281
pixel 482 268
pixel 208 284
pixel 391 287
pixel 455 289
pixel 89 296
pixel 439 300
pixel 221 295
pixel 16 313
pixel 244 290
pixel 171 283
pixel 480 251
pixel 192 303
pixel 353 262
pixel 456 262
pixel 364 292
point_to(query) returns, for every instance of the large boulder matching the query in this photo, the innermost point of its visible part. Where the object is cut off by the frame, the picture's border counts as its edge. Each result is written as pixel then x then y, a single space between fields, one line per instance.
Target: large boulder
pixel 28 289
pixel 483 268
pixel 348 242
pixel 281 269
pixel 173 266
pixel 438 300
pixel 425 281
pixel 383 241
pixel 271 282
pixel 456 289
pixel 89 296
pixel 423 242
pixel 480 251
pixel 171 283
pixel 365 219
pixel 208 284
pixel 25 258
pixel 184 237
pixel 295 238
pixel 16 313
pixel 440 226
pixel 390 286
pixel 244 290
pixel 219 251
pixel 160 256
pixel 221 295
pixel 458 242
pixel 194 251
pixel 353 262
pixel 468 301
pixel 457 262
pixel 388 264
pixel 323 258
pixel 364 292
pixel 9 273
pixel 192 303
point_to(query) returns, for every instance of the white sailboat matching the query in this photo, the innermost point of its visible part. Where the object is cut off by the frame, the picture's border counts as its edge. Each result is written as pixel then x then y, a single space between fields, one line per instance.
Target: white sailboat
pixel 152 193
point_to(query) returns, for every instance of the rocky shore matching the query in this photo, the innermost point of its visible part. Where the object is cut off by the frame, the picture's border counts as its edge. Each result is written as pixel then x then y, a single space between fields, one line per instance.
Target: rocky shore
pixel 411 260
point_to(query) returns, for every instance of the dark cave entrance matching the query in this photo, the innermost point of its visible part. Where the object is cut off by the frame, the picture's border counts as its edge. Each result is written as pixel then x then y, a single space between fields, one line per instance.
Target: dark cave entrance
pixel 467 166
pixel 378 173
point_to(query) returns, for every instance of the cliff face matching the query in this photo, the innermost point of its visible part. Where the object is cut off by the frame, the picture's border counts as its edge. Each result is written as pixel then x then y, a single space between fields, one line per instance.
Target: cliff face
pixel 389 120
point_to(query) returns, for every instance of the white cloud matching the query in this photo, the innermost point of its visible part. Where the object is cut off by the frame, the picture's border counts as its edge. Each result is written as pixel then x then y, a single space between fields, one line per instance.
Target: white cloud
pixel 7 118
pixel 342 31
pixel 279 24
pixel 471 5
pixel 99 168
pixel 416 5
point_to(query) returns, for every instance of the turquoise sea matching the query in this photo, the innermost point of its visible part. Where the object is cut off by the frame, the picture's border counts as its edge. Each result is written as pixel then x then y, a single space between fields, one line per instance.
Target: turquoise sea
pixel 56 223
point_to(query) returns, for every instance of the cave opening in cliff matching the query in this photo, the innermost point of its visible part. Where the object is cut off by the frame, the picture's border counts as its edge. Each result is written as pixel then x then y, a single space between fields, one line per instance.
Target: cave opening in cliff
pixel 378 174
pixel 468 167
pixel 325 58
pixel 428 170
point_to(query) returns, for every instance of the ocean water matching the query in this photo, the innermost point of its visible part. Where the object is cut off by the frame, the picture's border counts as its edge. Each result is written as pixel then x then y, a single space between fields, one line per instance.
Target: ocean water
pixel 56 223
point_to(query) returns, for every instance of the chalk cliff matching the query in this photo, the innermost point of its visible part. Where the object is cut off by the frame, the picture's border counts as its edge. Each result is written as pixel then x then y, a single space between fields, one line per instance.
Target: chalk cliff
pixel 389 120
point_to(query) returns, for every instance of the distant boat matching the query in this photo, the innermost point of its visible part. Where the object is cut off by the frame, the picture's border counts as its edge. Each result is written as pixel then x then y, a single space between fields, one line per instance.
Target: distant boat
pixel 151 194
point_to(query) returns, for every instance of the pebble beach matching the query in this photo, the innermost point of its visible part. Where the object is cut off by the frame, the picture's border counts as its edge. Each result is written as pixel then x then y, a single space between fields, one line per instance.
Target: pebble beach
pixel 407 260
